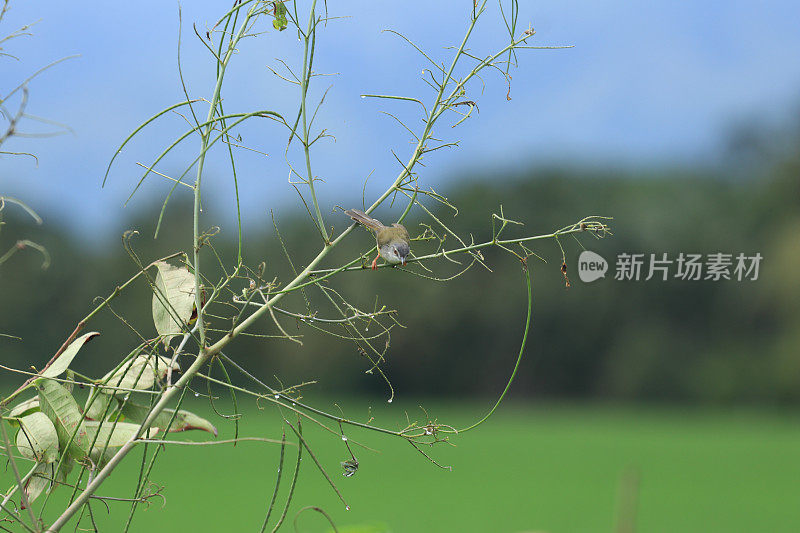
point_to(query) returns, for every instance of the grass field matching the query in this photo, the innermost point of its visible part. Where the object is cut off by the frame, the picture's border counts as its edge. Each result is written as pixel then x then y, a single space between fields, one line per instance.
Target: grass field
pixel 530 468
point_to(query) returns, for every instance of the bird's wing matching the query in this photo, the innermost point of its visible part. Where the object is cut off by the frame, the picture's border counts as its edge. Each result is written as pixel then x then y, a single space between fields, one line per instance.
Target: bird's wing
pixel 364 219
pixel 402 227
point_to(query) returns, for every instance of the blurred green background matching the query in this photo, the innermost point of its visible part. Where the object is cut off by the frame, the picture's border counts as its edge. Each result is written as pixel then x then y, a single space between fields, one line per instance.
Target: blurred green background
pixel 651 406
pixel 686 389
pixel 553 468
pixel 708 342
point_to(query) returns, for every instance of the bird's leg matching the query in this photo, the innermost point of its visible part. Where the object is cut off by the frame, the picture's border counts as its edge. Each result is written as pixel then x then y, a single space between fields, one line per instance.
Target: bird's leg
pixel 375 262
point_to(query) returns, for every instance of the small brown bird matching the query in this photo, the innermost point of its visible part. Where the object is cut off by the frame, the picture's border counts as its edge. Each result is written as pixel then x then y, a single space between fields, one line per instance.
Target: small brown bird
pixel 393 242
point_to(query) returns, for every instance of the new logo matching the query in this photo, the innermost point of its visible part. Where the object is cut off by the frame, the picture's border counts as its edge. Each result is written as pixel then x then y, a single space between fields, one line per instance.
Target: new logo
pixel 591 266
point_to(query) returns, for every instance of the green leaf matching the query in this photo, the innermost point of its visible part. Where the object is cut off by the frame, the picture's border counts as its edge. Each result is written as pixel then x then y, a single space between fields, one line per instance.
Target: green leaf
pixel 111 436
pixel 173 300
pixel 42 478
pixel 62 410
pixel 38 482
pixel 37 438
pixel 61 474
pixel 24 408
pixel 66 357
pixel 140 374
pixel 95 409
pixel 280 21
pixel 184 420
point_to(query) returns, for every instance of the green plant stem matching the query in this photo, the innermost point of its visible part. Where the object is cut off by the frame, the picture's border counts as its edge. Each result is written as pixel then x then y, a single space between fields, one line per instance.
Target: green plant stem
pixel 162 403
pixel 308 59
pixel 519 357
pixel 206 352
pixel 21 245
pixel 212 108
pixel 23 497
pixel 139 128
pixel 463 249
pixel 82 323
pixel 277 483
pixel 13 490
pixel 271 397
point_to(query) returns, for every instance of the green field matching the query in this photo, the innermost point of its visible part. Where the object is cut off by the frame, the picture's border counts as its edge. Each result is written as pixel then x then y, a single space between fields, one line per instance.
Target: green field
pixel 538 468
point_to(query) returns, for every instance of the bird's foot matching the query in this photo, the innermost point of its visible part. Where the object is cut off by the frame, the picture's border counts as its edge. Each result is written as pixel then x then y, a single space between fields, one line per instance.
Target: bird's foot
pixel 375 263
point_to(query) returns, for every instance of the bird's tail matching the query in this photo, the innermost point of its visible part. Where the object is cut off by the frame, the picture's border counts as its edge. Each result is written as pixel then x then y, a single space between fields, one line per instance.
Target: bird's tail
pixel 364 219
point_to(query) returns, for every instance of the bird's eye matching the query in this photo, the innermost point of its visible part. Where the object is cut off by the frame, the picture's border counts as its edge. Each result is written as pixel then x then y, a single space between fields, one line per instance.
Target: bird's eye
pixel 395 252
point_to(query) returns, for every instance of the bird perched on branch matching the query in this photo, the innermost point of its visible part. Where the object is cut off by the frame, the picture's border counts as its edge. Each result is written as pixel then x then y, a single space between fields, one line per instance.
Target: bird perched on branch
pixel 393 241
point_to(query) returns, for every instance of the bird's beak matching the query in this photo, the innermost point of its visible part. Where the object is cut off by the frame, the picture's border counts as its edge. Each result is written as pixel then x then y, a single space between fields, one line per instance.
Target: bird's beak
pixel 404 261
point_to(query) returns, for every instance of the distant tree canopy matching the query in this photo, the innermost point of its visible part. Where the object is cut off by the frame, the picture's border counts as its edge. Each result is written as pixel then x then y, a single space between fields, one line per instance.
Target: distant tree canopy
pixel 723 341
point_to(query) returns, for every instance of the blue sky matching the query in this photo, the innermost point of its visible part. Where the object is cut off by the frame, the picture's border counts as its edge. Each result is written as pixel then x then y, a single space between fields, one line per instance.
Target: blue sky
pixel 645 83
